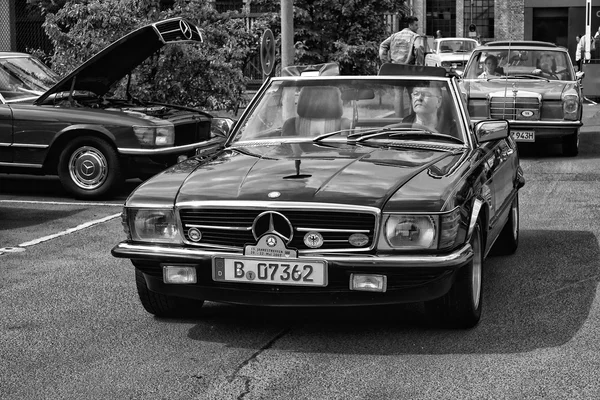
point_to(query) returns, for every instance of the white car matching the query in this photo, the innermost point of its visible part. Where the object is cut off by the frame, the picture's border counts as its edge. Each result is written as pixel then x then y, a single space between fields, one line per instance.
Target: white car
pixel 450 53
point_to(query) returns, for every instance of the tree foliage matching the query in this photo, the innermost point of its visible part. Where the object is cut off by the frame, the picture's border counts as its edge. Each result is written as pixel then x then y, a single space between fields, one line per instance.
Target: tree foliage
pixel 207 75
pixel 344 31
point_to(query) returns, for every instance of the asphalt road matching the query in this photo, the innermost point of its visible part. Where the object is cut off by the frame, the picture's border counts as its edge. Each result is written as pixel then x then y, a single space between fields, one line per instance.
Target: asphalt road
pixel 71 326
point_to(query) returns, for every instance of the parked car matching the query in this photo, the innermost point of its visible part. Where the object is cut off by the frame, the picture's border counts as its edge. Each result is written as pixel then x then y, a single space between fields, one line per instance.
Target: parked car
pixel 536 89
pixel 73 128
pixel 451 53
pixel 326 195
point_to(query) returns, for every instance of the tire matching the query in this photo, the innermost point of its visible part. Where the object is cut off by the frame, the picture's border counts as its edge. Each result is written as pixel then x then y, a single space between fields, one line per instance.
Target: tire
pixel 162 305
pixel 89 168
pixel 461 306
pixel 508 240
pixel 570 145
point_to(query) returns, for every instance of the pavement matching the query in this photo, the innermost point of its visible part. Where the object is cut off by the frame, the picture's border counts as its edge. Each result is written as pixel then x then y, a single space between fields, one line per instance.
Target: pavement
pixel 591 117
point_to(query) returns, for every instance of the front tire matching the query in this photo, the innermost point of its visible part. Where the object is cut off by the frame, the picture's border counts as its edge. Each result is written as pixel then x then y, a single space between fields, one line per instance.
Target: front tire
pixel 89 168
pixel 508 240
pixel 162 305
pixel 570 144
pixel 461 306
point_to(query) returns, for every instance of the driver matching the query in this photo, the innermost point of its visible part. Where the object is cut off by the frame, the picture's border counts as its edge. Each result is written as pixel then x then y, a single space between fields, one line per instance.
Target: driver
pixel 546 66
pixel 427 105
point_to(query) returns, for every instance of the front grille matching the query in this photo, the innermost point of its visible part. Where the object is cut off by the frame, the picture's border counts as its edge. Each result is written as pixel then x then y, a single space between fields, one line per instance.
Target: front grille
pixel 191 132
pixel 515 108
pixel 236 226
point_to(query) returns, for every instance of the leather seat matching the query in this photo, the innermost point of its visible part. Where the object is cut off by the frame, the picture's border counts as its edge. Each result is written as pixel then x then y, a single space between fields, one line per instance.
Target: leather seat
pixel 320 111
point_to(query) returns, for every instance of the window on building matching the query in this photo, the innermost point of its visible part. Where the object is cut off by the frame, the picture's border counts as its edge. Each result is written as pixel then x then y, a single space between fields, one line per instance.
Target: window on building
pixel 441 15
pixel 481 14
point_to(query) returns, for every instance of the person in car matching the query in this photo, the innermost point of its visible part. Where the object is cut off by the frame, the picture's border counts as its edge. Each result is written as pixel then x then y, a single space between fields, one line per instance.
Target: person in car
pixel 490 67
pixel 427 107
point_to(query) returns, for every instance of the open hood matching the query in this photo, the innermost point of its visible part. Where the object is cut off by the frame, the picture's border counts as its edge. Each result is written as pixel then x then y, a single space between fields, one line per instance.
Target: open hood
pixel 115 61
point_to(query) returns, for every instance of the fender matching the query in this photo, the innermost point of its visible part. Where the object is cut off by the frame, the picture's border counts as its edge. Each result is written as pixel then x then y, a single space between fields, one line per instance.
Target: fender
pixel 85 127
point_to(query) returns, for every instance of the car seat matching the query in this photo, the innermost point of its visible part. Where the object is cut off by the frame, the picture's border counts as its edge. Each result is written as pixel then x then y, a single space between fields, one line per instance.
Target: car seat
pixel 319 111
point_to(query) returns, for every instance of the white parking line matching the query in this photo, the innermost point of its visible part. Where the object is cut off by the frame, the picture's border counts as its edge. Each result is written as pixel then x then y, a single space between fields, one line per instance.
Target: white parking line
pixel 85 225
pixel 61 203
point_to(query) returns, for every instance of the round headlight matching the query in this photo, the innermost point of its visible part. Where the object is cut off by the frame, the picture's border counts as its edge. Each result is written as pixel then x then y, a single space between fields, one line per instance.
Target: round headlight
pixel 408 231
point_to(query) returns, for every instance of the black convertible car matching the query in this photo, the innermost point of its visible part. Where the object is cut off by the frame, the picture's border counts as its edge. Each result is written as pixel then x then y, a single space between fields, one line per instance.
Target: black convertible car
pixel 329 191
pixel 75 129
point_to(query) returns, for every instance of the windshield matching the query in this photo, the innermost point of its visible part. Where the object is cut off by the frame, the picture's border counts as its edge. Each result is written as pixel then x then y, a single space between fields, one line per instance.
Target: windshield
pixel 24 78
pixel 534 64
pixel 456 46
pixel 337 109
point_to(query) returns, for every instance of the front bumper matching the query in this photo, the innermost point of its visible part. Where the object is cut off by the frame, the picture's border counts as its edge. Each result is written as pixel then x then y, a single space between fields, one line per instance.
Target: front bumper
pixel 410 278
pixel 545 129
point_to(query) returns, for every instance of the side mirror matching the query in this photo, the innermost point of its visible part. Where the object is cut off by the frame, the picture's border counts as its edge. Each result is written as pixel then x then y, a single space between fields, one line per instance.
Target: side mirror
pixel 579 75
pixel 487 131
pixel 221 126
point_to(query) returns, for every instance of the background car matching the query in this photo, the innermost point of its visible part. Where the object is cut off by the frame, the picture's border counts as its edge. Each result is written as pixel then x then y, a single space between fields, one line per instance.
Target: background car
pixel 74 127
pixel 536 89
pixel 326 194
pixel 451 53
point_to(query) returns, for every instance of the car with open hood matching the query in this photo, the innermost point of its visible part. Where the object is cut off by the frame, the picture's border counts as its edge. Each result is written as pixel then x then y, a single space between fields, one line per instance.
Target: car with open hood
pixel 333 190
pixel 452 53
pixel 75 128
pixel 534 86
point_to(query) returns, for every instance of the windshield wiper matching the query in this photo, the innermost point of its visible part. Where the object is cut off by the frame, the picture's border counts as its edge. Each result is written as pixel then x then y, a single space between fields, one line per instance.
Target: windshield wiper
pixel 328 134
pixel 528 76
pixel 407 133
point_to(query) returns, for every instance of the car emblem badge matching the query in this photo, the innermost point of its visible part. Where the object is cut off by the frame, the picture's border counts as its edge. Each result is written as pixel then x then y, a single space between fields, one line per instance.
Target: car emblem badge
pixel 274 195
pixel 527 113
pixel 195 235
pixel 87 168
pixel 271 241
pixel 273 223
pixel 313 240
pixel 185 29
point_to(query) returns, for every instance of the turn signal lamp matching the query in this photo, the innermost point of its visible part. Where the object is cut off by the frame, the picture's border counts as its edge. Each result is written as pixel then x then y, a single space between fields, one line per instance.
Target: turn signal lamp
pixel 178 274
pixel 368 282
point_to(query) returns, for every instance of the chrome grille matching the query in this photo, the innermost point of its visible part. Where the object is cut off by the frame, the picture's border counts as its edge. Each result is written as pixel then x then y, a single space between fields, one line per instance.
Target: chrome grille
pixel 515 108
pixel 233 228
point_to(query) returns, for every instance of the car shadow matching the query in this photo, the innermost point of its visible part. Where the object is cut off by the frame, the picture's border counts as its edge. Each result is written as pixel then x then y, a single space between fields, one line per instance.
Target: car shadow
pixel 538 298
pixel 49 188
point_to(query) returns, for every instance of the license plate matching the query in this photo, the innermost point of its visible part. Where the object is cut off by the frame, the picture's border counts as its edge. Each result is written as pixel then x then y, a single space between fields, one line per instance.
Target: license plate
pixel 271 271
pixel 523 136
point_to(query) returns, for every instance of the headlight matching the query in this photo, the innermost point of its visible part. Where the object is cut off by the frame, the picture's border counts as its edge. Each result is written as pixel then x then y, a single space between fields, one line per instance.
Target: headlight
pixel 411 231
pixel 153 226
pixel 156 135
pixel 570 106
pixel 408 231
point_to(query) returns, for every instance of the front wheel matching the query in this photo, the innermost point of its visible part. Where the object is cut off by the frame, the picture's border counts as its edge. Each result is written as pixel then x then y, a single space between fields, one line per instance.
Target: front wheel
pixel 508 240
pixel 461 306
pixel 570 145
pixel 162 305
pixel 89 168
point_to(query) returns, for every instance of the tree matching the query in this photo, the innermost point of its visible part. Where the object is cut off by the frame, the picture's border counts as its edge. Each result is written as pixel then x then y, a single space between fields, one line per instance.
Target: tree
pixel 344 31
pixel 207 75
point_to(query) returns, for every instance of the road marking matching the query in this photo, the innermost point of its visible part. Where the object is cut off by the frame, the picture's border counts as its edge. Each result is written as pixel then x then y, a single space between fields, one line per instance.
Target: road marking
pixel 61 203
pixel 53 236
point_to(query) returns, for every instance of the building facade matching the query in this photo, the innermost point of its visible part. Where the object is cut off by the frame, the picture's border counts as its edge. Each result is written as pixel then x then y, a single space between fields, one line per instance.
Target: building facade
pixel 557 21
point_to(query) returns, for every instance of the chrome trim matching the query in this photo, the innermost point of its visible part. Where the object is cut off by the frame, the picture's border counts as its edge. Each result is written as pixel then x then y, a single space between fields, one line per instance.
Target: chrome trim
pixel 458 257
pixel 288 205
pixel 477 204
pixel 540 123
pixel 222 228
pixel 5 144
pixel 170 150
pixel 6 164
pixel 27 145
pixel 332 230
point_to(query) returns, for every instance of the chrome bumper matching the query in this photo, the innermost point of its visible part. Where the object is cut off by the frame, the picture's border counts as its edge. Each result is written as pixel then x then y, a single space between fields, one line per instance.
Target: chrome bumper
pixel 160 253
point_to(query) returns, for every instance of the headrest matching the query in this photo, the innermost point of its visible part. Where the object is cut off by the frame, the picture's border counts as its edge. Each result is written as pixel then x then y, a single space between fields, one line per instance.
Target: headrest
pixel 323 102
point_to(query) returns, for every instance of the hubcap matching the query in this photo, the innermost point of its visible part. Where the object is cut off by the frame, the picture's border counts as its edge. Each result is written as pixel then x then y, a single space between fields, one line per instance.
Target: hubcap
pixel 88 168
pixel 476 272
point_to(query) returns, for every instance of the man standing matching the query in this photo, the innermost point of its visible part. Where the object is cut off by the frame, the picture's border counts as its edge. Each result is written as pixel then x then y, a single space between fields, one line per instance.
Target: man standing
pixel 580 52
pixel 399 47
